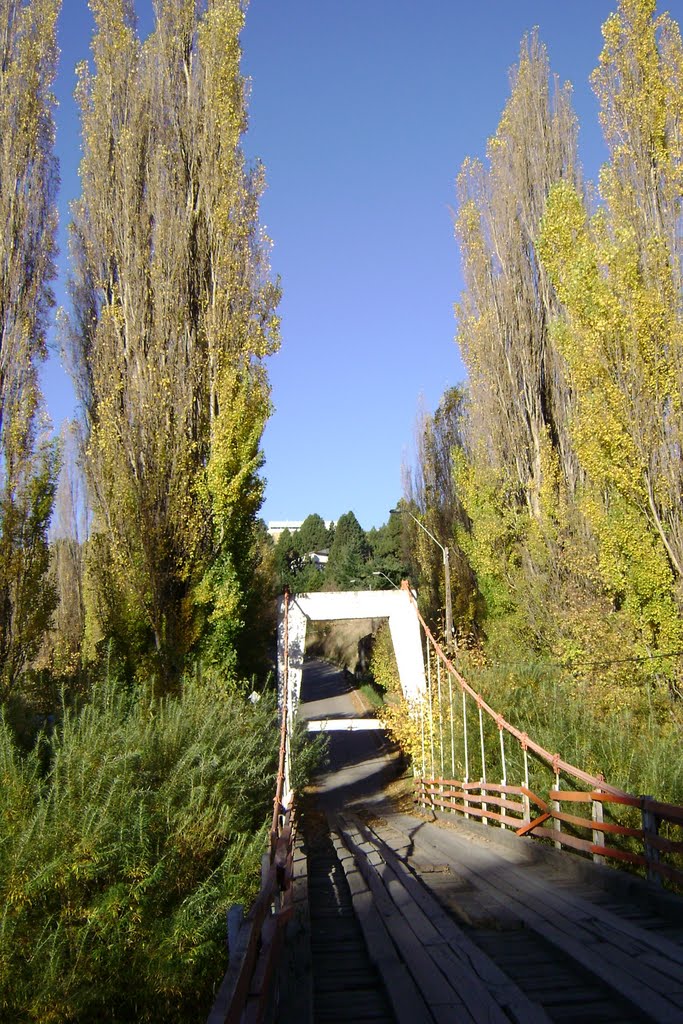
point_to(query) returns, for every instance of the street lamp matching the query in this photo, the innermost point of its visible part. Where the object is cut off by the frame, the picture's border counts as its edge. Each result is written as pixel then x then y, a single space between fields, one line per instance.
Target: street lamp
pixel 446 568
pixel 378 573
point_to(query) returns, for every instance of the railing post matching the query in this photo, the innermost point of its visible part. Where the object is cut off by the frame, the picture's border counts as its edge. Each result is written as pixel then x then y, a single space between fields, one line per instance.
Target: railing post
pixel 504 780
pixel 234 921
pixel 467 754
pixel 557 806
pixel 650 828
pixel 525 798
pixel 598 836
pixel 482 791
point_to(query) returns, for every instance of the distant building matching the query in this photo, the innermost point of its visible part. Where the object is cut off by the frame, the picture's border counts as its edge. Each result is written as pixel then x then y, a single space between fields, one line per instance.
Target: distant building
pixel 319 558
pixel 277 527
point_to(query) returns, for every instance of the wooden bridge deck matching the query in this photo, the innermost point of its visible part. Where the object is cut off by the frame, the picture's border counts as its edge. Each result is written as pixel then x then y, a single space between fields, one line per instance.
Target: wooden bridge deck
pixel 435 918
pixel 414 920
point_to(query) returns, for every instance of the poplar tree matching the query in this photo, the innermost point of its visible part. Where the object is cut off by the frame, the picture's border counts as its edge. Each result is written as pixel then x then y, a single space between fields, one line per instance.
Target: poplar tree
pixel 618 275
pixel 28 184
pixel 431 490
pixel 174 315
pixel 520 401
pixel 516 472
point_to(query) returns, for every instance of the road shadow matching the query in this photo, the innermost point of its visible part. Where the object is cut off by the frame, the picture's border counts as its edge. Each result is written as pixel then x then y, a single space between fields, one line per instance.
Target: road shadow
pixel 359 764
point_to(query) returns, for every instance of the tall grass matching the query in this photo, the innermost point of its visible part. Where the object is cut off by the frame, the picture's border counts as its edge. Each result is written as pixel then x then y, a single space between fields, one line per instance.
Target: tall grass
pixel 119 863
pixel 639 750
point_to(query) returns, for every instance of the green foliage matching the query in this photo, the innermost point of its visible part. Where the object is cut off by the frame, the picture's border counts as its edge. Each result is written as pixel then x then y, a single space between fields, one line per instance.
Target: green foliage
pixel 383 661
pixel 618 276
pixel 28 220
pixel 219 592
pixel 634 747
pixel 309 755
pixel 27 595
pixel 349 552
pixel 388 553
pixel 174 316
pixel 118 866
pixel 293 564
pixel 568 466
pixel 313 535
pixel 435 499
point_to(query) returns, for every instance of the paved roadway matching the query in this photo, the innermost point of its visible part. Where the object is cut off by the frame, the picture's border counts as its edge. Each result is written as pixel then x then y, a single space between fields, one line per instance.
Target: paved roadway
pixel 360 763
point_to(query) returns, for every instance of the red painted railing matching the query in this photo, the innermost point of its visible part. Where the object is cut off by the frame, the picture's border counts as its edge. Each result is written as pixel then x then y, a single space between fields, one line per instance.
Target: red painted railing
pixel 637 840
pixel 593 835
pixel 246 991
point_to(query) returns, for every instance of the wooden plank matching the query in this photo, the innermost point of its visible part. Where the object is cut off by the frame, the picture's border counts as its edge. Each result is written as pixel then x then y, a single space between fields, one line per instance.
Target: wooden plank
pixel 478 811
pixel 453 785
pixel 616 854
pixel 566 839
pixel 534 798
pixel 479 967
pixel 670 812
pixel 478 798
pixel 487 991
pixel 605 826
pixel 565 923
pixel 259 991
pixel 434 987
pixel 533 824
pixel 596 794
pixel 234 988
pixel 673 874
pixel 427 789
pixel 296 973
pixel 665 845
pixel 406 1000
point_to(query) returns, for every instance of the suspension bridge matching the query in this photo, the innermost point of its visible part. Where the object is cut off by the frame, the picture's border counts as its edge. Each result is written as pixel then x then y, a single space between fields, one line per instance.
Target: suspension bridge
pixel 495 897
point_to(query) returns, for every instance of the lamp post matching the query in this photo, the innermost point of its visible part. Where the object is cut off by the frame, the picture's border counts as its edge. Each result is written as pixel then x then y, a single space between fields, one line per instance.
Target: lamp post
pixel 379 573
pixel 446 568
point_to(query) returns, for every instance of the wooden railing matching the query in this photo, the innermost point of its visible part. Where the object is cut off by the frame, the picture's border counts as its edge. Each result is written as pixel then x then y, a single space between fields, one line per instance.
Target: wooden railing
pixel 254 942
pixel 593 833
pixel 483 801
pixel 635 831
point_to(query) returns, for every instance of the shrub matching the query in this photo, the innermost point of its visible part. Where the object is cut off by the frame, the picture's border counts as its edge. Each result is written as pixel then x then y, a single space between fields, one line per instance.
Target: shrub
pixel 119 864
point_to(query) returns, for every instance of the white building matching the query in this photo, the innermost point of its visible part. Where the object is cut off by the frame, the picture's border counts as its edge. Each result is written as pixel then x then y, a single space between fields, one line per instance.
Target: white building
pixel 278 526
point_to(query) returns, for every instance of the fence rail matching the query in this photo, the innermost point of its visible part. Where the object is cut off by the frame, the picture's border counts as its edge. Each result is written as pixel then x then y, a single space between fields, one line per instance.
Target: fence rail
pixel 245 994
pixel 491 803
pixel 255 942
pixel 637 831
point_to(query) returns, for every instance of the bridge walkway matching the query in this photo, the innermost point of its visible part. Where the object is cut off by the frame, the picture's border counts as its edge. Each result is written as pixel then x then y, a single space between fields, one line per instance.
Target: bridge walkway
pixel 434 917
pixel 463 922
pixel 456 914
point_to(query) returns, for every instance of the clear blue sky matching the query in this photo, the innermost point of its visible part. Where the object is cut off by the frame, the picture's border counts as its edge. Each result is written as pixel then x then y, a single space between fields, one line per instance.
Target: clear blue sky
pixel 362 112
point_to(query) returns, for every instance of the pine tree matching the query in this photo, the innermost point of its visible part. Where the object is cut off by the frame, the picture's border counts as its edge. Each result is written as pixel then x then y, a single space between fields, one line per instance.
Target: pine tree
pixel 349 551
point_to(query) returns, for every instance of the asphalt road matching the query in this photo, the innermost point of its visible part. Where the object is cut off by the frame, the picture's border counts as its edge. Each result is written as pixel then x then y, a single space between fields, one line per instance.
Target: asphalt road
pixel 360 763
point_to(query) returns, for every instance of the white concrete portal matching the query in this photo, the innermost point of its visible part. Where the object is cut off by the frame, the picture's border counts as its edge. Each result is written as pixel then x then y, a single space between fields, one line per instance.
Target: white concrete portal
pixel 394 605
pixel 343 724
